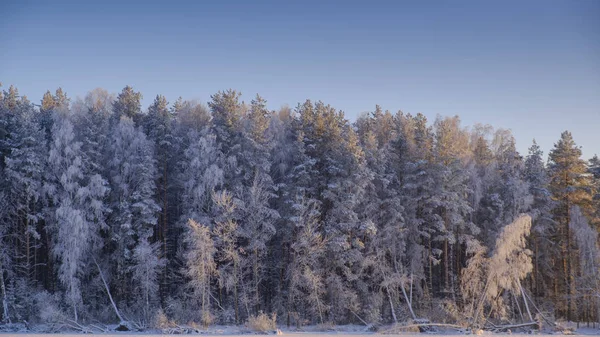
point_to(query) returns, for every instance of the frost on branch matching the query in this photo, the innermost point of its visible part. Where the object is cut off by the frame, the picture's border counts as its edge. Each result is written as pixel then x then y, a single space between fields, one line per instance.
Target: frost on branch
pixel 509 264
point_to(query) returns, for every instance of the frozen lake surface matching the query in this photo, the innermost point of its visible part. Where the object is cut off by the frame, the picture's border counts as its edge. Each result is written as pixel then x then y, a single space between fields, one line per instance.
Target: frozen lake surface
pixel 310 331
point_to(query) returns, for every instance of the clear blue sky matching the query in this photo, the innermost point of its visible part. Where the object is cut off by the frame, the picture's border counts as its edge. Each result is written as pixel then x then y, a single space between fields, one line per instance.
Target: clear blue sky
pixel 530 66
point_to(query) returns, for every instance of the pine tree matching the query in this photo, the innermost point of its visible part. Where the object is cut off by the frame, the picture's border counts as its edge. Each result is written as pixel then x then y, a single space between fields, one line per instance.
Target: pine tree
pixel 416 179
pixel 594 169
pixel 295 212
pixel 570 187
pixel 61 100
pixel 258 119
pixel 226 112
pixel 587 281
pixel 128 104
pixel 537 177
pixel 451 148
pixel 291 170
pixel 48 102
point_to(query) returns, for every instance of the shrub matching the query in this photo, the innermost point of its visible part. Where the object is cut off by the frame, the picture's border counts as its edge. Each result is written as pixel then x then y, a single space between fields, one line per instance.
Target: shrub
pixel 262 322
pixel 161 321
pixel 49 308
pixel 326 326
pixel 207 318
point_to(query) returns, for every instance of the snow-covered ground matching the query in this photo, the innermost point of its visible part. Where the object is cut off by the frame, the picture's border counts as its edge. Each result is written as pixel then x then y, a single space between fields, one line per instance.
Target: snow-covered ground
pixel 303 334
pixel 232 333
pixel 313 331
pixel 299 334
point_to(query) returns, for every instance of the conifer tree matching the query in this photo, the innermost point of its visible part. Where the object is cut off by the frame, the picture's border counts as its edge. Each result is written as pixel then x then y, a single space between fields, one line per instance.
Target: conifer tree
pixel 133 217
pixel 157 125
pixel 570 186
pixel 24 171
pixel 128 104
pixel 537 176
pixel 48 102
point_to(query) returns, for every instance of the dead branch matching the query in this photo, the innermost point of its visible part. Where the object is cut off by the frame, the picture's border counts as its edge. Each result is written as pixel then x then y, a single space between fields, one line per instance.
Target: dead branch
pixel 397 327
pixel 513 326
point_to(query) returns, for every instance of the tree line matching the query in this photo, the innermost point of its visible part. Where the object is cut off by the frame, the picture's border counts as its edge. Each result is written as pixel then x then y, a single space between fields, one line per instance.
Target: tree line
pixel 215 213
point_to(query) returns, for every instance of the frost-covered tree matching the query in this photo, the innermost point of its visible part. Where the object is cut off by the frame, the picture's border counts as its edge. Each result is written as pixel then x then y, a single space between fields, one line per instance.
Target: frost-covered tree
pixel 146 269
pixel 594 169
pixel 4 259
pixel 451 148
pixel 298 212
pixel 570 186
pixel 157 124
pixel 258 228
pixel 201 176
pixel 61 100
pixel 191 116
pixel 128 104
pixel 335 149
pixel 291 171
pixel 22 158
pixel 76 207
pixel 228 252
pixel 200 266
pixel 473 280
pixel 24 172
pixel 245 147
pixel 90 117
pixel 305 265
pixel 417 184
pixel 132 171
pixel 587 280
pixel 543 250
pixel 509 264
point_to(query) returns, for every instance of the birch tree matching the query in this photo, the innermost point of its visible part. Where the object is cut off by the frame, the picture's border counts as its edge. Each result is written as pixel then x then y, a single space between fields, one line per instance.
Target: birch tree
pixel 77 204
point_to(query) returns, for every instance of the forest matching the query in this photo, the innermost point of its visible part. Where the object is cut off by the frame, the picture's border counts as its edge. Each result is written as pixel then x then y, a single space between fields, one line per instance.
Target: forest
pixel 222 212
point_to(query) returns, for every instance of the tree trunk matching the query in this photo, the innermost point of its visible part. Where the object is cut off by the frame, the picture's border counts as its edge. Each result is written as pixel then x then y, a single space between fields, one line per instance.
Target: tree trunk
pixel 255 271
pixel 446 267
pixel 164 222
pixel 391 305
pixel 108 293
pixel 235 294
pixel 525 300
pixel 408 301
pixel 5 315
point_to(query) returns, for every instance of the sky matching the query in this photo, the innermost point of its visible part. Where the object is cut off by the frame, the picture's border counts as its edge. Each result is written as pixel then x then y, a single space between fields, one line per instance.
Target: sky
pixel 529 66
